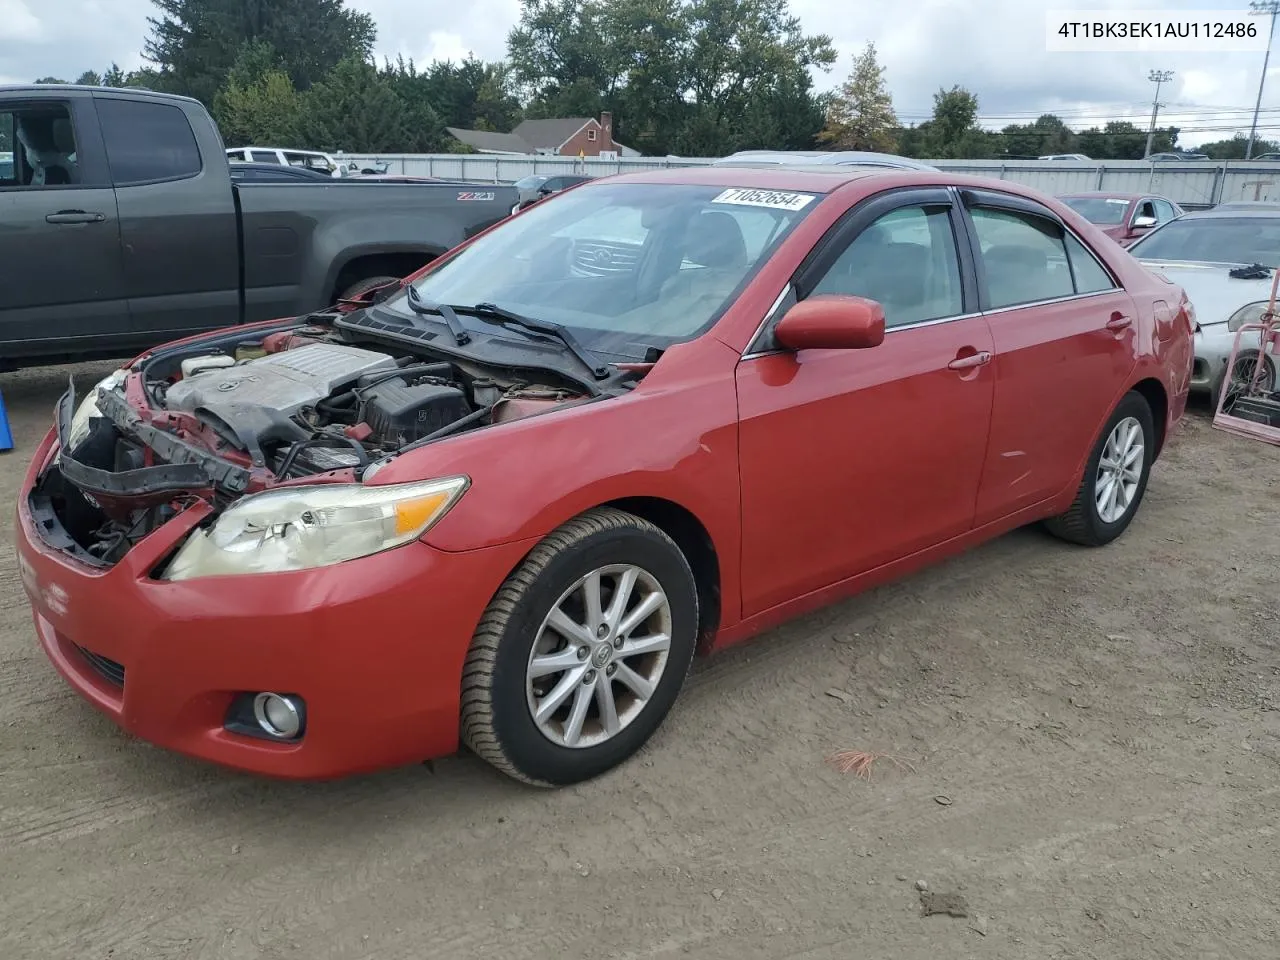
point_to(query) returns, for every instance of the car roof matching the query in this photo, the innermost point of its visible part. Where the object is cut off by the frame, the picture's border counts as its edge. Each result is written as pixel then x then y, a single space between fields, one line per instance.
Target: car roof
pixel 1110 195
pixel 83 88
pixel 809 178
pixel 1235 213
pixel 820 158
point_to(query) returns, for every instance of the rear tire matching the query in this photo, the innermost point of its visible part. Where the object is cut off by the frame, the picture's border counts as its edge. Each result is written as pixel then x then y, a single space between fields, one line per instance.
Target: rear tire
pixel 1115 478
pixel 552 708
pixel 356 289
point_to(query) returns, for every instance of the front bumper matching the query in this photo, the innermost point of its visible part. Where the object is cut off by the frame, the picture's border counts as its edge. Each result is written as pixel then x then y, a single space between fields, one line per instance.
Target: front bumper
pixel 375 646
pixel 1212 350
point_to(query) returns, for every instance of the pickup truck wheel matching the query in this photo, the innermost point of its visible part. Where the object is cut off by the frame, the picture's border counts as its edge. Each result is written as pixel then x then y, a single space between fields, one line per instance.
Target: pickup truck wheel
pixel 355 290
pixel 1115 478
pixel 582 652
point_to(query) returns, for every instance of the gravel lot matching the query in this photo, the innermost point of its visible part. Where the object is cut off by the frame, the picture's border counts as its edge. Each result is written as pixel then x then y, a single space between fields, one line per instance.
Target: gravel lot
pixel 1104 724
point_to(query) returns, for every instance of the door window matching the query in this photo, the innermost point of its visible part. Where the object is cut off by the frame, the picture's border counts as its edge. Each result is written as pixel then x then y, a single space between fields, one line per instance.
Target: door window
pixel 907 262
pixel 1024 257
pixel 264 156
pixel 1164 211
pixel 38 147
pixel 1146 208
pixel 147 142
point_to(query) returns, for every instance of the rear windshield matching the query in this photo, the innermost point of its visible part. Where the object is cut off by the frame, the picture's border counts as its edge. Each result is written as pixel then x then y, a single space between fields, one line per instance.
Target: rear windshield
pixel 1214 240
pixel 1106 211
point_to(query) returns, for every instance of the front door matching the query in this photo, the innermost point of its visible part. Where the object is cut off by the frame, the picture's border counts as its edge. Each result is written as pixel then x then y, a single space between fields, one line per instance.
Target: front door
pixel 60 261
pixel 853 458
pixel 1063 329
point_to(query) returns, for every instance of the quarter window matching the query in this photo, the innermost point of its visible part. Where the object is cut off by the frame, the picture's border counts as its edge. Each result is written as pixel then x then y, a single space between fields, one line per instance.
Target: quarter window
pixel 1090 276
pixel 147 142
pixel 1024 258
pixel 907 262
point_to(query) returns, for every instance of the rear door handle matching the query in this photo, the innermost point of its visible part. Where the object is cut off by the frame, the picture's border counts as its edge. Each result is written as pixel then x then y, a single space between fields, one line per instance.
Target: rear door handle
pixel 972 360
pixel 75 216
pixel 1119 321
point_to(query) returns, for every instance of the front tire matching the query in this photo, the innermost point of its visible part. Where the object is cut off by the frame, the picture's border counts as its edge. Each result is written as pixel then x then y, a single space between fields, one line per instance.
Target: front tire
pixel 1242 374
pixel 1115 478
pixel 580 655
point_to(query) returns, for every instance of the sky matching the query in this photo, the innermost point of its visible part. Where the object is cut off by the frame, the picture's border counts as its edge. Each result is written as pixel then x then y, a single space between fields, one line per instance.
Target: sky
pixel 994 48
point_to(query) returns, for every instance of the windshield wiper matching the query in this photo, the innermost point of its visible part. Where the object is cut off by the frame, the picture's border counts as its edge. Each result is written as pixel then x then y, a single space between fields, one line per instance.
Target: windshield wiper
pixel 443 310
pixel 494 313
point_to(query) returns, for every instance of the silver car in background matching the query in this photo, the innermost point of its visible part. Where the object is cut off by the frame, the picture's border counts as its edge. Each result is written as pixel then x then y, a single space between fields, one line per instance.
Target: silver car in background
pixel 1225 259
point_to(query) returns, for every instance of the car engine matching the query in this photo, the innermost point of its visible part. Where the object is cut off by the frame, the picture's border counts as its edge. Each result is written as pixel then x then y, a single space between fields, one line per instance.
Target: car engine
pixel 314 406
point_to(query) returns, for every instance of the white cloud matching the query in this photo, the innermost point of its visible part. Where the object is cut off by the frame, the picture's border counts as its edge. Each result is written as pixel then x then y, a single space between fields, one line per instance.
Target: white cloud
pixel 17 22
pixel 995 48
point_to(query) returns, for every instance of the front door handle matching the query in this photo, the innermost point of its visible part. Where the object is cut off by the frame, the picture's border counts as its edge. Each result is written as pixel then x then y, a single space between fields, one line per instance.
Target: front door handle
pixel 1119 321
pixel 970 360
pixel 75 216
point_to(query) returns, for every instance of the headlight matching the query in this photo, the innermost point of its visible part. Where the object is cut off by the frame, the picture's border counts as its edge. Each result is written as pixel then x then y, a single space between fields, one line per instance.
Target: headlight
pixel 88 408
pixel 298 528
pixel 1252 313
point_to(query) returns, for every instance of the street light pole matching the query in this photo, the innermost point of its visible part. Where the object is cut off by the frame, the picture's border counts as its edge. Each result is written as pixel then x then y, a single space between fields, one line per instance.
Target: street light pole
pixel 1257 8
pixel 1159 77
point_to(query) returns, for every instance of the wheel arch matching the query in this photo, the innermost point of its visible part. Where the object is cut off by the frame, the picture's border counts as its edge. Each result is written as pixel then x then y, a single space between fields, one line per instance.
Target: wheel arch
pixel 1157 397
pixel 690 536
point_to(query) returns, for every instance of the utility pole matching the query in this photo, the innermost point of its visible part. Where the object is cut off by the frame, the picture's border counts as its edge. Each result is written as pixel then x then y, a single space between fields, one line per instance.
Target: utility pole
pixel 1258 8
pixel 1159 77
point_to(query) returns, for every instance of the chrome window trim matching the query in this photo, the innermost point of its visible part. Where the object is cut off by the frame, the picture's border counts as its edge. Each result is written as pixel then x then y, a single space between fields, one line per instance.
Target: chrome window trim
pixel 951 319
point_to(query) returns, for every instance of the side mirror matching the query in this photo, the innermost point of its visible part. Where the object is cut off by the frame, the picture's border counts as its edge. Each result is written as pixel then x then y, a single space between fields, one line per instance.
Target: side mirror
pixel 544 191
pixel 832 323
pixel 1144 223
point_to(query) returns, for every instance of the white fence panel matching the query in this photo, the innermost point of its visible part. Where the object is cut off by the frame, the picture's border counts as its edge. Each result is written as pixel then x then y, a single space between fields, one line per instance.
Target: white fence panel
pixel 1194 184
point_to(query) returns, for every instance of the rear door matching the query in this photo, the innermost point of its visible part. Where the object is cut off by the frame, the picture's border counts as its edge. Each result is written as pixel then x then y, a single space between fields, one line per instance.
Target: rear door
pixel 181 253
pixel 1063 331
pixel 851 459
pixel 60 259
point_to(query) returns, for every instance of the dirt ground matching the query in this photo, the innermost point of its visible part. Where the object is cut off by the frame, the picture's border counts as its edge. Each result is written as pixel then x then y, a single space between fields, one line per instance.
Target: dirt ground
pixel 1101 727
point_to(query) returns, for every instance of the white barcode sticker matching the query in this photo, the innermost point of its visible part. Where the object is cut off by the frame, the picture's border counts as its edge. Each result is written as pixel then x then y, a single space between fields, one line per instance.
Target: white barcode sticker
pixel 774 199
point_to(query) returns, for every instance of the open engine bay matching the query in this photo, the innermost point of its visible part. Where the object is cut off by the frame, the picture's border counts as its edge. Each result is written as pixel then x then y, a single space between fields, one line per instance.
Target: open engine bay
pixel 238 414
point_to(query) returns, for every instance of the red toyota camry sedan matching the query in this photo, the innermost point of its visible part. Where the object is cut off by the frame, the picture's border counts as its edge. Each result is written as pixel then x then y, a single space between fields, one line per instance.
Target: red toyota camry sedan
pixel 505 502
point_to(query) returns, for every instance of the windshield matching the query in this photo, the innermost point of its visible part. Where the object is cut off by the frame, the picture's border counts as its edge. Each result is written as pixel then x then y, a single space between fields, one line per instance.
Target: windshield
pixel 625 266
pixel 528 183
pixel 1106 211
pixel 1214 240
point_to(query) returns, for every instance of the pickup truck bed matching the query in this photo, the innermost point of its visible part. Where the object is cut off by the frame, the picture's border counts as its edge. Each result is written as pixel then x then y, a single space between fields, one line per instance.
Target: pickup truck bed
pixel 120 227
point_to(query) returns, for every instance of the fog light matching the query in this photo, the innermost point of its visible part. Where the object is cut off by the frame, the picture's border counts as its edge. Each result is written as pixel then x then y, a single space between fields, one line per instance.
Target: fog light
pixel 279 716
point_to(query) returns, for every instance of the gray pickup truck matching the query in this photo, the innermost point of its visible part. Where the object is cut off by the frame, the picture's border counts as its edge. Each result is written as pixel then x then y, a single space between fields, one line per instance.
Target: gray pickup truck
pixel 121 228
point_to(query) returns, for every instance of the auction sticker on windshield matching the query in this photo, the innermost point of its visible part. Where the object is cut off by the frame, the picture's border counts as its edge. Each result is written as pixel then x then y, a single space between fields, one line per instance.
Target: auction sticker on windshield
pixel 774 199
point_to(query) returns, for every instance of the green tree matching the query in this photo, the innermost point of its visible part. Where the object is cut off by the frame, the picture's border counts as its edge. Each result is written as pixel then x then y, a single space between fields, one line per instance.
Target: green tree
pixel 1234 149
pixel 354 109
pixel 50 80
pixel 115 77
pixel 423 129
pixel 691 76
pixel 194 43
pixel 1048 134
pixel 89 78
pixel 860 116
pixel 1122 140
pixel 953 132
pixel 264 111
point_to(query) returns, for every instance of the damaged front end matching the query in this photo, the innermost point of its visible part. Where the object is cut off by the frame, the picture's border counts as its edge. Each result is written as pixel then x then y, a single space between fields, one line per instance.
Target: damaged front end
pixel 273 443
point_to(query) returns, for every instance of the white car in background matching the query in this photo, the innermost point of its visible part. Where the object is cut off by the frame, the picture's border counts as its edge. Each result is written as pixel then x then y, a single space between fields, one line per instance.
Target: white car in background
pixel 309 159
pixel 841 158
pixel 1225 260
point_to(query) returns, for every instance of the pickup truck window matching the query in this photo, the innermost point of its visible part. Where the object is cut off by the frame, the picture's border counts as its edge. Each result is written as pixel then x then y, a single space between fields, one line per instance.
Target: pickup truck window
pixel 264 156
pixel 43 143
pixel 147 142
